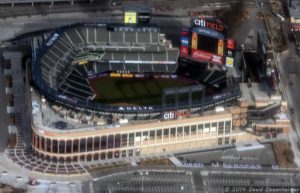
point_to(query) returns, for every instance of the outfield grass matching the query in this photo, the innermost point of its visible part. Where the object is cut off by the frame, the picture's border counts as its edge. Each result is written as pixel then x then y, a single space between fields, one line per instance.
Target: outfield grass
pixel 133 91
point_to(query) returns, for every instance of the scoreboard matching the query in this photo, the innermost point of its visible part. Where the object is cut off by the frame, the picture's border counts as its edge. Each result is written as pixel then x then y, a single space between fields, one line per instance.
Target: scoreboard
pixel 206 41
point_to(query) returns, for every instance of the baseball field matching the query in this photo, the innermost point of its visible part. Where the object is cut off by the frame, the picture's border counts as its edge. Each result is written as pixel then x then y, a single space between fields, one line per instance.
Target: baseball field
pixel 134 90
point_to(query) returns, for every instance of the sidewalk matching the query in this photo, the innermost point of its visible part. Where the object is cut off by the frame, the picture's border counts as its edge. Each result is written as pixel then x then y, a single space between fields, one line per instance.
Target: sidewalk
pixel 175 161
pixel 15 170
pixel 295 147
pixel 288 96
pixel 18 177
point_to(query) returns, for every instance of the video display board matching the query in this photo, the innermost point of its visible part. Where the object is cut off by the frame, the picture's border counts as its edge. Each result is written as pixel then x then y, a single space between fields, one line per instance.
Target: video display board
pixel 143 17
pixel 185 42
pixel 206 41
pixel 130 17
pixel 207 45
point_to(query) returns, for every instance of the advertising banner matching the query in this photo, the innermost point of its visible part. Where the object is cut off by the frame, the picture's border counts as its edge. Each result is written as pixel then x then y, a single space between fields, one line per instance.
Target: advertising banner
pixel 202 22
pixel 295 27
pixel 185 31
pixel 230 44
pixel 208 32
pixel 229 62
pixel 201 55
pixel 206 56
pixel 144 18
pixel 52 39
pixel 194 40
pixel 185 41
pixel 175 114
pixel 216 59
pixel 130 17
pixel 184 51
pixel 221 47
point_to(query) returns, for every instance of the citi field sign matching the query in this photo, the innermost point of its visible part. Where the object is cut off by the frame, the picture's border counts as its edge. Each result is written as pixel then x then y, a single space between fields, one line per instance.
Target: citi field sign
pixel 201 22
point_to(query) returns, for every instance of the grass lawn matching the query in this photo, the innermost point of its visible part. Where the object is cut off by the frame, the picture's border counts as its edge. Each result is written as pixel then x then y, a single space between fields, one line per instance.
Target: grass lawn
pixel 133 91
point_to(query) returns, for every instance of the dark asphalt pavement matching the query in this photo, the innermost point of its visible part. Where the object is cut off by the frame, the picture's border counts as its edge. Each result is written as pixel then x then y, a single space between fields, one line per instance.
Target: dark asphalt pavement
pixel 3 103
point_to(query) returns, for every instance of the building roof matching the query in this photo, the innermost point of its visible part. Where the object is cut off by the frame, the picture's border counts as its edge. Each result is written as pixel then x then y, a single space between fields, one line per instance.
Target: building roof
pixel 256 92
pixel 43 119
pixel 294 10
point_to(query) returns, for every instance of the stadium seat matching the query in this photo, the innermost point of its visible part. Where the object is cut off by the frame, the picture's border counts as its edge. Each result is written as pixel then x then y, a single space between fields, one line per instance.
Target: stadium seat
pixel 143 38
pixel 77 78
pixel 118 56
pixel 102 35
pixel 160 68
pixel 76 93
pixel 61 46
pixel 131 67
pixel 81 69
pixel 52 55
pixel 116 37
pixel 89 35
pixel 117 67
pixel 146 67
pixel 82 87
pixel 64 41
pixel 130 37
pixel 171 67
pixel 172 54
pixel 131 56
pixel 74 36
pixel 57 51
pixel 103 67
pixel 159 56
pixel 147 56
pixel 83 31
pixel 123 49
pixel 47 62
pixel 154 37
pixel 61 74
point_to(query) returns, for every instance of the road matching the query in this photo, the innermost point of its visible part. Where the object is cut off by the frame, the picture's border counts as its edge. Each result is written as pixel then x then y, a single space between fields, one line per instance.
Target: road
pixel 46 8
pixel 289 64
pixel 11 28
pixel 7 10
pixel 21 19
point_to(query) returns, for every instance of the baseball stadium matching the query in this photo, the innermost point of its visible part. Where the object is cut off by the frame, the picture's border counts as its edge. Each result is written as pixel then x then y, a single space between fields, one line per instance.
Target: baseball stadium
pixel 107 91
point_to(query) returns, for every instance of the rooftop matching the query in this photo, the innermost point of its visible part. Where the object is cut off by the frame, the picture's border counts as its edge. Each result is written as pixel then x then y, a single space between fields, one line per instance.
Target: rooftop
pixel 47 121
pixel 294 10
pixel 256 93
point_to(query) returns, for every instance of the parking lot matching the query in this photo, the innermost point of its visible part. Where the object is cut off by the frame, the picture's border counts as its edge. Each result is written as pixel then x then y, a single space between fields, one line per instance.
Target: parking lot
pixel 210 180
pixel 230 157
pixel 151 181
pixel 215 182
